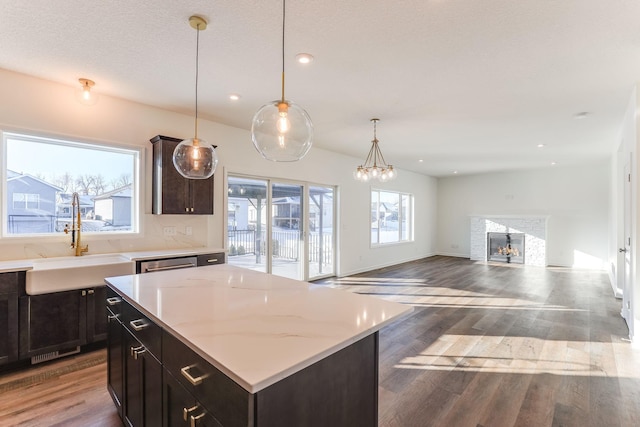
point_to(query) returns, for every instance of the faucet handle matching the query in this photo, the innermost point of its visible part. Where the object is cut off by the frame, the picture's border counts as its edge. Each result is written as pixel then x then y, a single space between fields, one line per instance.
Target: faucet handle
pixel 66 229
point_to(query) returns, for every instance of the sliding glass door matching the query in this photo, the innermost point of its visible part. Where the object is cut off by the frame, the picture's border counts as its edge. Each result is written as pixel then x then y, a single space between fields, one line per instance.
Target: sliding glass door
pixel 284 228
pixel 321 232
pixel 247 209
pixel 287 230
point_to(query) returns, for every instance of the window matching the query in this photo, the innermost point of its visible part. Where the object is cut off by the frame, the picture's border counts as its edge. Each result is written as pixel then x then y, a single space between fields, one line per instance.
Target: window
pixel 26 201
pixel 391 217
pixel 41 175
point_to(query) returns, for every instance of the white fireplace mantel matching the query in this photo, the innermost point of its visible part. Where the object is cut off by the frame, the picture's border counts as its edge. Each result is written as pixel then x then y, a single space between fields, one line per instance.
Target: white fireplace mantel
pixel 534 228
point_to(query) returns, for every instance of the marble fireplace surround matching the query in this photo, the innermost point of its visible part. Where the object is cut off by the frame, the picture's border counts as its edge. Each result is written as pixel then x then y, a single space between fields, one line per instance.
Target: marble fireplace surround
pixel 533 227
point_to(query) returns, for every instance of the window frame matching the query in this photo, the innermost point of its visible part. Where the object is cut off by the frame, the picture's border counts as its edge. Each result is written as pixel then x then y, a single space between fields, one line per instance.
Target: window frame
pixel 137 154
pixel 402 214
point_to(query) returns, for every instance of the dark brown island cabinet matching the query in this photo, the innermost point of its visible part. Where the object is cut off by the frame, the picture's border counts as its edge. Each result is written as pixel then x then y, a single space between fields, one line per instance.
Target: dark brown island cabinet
pixel 173 193
pixel 159 377
pixel 156 380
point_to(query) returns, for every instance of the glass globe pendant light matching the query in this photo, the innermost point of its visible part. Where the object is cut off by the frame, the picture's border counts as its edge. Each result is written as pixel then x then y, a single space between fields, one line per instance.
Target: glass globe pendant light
pixel 195 158
pixel 281 130
pixel 374 167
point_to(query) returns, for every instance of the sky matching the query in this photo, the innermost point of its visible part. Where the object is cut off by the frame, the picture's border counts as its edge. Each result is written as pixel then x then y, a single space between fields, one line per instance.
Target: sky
pixel 48 160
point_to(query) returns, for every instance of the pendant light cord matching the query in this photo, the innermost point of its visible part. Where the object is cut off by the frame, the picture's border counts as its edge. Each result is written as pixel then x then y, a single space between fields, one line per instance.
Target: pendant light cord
pixel 197 58
pixel 283 16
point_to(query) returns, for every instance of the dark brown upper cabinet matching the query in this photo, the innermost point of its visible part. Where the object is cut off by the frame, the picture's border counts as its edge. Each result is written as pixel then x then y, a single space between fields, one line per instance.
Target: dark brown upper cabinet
pixel 173 193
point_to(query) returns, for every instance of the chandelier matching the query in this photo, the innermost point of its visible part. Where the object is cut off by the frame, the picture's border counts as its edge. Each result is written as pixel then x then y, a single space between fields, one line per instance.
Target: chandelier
pixel 374 167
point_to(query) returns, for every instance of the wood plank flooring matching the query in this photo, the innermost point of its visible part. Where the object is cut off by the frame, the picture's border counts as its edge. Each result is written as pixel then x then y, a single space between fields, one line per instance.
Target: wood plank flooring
pixel 487 345
pixel 502 345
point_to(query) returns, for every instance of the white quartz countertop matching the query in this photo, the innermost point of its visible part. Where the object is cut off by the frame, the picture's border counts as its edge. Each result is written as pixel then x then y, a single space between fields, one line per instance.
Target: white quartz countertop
pixel 27 264
pixel 19 265
pixel 256 328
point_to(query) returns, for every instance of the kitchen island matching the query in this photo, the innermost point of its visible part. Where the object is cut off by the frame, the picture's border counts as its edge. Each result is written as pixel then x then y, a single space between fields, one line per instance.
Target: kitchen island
pixel 230 346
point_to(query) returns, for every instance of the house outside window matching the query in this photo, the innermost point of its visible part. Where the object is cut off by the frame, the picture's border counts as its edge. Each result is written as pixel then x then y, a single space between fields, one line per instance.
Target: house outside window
pixel 43 173
pixel 391 217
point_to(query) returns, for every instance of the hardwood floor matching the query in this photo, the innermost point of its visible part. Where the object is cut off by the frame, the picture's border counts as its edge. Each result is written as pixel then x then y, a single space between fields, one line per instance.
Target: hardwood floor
pixel 486 345
pixel 502 345
pixel 68 392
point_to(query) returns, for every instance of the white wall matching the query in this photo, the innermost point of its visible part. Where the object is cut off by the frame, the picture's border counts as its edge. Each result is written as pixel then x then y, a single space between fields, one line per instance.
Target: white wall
pixel 35 105
pixel 575 198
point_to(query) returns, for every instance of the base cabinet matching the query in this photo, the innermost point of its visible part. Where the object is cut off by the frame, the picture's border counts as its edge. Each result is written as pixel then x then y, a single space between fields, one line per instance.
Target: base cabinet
pixel 11 285
pixel 143 385
pixel 60 321
pixel 115 361
pixel 134 373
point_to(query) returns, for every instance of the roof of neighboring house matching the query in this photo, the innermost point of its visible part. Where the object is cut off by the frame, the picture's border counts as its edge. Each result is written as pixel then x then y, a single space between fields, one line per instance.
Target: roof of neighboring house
pixel 85 199
pixel 123 192
pixel 12 175
pixel 286 200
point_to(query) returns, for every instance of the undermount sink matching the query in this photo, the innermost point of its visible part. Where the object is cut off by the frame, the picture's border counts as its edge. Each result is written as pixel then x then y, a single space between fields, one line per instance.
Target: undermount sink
pixel 67 273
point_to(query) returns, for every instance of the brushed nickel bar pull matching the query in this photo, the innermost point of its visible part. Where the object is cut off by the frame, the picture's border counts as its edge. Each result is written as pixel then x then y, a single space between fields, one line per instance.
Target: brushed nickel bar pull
pixel 138 351
pixel 212 260
pixel 114 300
pixel 138 324
pixel 194 381
pixel 134 351
pixel 194 420
pixel 115 316
pixel 187 411
pixel 170 267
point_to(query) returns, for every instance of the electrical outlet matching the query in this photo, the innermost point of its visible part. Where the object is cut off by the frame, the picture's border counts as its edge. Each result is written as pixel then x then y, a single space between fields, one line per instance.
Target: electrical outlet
pixel 169 231
pixel 188 231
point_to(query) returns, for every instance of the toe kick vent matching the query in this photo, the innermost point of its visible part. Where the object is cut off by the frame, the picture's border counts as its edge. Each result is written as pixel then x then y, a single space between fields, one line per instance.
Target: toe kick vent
pixel 53 355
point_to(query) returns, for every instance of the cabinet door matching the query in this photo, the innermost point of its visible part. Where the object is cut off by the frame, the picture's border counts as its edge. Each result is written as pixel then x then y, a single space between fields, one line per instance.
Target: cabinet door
pixel 179 406
pixel 143 385
pixel 115 364
pixel 96 314
pixel 201 196
pixel 173 193
pixel 8 328
pixel 52 322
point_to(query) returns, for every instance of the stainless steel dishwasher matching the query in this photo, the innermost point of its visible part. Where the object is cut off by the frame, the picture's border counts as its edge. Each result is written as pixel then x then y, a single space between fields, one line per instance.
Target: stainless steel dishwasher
pixel 166 264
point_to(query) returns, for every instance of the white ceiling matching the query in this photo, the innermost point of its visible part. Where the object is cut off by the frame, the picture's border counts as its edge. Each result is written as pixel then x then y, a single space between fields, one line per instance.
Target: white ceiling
pixel 466 85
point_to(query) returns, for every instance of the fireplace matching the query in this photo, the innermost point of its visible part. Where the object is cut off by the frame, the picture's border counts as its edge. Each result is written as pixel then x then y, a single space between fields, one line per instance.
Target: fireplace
pixel 505 247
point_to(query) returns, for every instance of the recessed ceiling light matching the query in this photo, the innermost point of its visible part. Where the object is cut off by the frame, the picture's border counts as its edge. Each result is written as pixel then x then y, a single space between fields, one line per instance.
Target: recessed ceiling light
pixel 234 96
pixel 553 163
pixel 540 145
pixel 455 172
pixel 304 58
pixel 582 115
pixel 420 161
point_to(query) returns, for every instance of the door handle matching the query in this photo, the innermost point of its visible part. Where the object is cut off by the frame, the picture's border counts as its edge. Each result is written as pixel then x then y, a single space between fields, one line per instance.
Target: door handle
pixel 622 250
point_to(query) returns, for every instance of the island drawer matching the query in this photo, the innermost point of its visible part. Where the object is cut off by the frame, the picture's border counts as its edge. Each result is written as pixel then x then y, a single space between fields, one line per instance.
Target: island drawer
pixel 211 259
pixel 114 302
pixel 143 329
pixel 231 404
